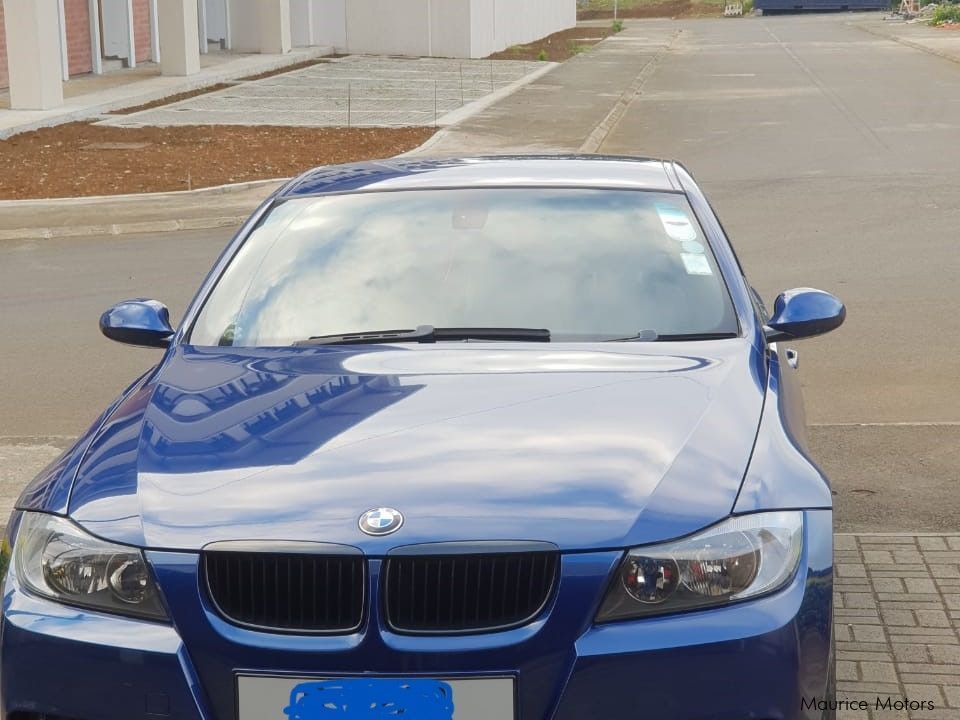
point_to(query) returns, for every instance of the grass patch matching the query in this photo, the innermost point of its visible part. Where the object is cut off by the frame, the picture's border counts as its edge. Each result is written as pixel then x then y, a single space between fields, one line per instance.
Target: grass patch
pixel 946 14
pixel 557 47
pixel 595 9
pixel 608 4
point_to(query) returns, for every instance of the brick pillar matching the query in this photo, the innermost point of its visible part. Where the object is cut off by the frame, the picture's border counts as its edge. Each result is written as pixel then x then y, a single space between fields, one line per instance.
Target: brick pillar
pixel 33 53
pixel 179 38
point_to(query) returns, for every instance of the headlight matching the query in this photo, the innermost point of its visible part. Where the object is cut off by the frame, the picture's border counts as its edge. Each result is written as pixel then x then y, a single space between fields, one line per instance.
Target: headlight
pixel 58 560
pixel 740 558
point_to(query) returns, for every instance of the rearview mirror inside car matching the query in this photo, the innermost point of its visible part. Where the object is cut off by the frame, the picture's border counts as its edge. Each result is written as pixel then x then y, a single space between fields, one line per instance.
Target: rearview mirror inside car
pixel 803 313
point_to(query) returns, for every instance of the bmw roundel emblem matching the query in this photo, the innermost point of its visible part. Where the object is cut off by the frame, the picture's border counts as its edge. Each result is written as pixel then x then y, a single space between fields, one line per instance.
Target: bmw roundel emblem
pixel 381 521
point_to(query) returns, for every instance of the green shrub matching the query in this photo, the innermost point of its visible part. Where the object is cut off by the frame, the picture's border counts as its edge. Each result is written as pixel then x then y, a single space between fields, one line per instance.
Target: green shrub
pixel 747 7
pixel 946 14
pixel 617 25
pixel 542 55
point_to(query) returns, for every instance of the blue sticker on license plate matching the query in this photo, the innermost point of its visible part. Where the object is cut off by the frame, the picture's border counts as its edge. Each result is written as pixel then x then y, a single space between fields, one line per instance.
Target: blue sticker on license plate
pixel 372 697
pixel 364 699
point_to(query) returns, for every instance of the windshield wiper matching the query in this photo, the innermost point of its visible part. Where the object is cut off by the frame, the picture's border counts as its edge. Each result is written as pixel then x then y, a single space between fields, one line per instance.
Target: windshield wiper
pixel 654 336
pixel 430 334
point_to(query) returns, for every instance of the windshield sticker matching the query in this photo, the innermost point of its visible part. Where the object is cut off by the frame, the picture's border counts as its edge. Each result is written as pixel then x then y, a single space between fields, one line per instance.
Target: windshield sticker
pixel 676 223
pixel 692 246
pixel 696 264
pixel 361 699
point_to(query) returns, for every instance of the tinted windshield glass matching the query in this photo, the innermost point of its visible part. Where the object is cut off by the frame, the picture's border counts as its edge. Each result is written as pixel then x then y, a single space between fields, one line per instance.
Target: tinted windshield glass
pixel 585 264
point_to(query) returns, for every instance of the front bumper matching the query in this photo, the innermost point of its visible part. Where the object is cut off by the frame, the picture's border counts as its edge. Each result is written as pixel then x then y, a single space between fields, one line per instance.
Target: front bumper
pixel 758 659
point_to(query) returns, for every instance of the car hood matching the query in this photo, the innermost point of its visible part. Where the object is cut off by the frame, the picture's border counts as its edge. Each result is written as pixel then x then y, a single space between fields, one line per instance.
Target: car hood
pixel 583 446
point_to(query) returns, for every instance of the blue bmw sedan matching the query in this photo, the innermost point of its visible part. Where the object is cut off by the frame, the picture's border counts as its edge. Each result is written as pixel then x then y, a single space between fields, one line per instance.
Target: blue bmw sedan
pixel 486 439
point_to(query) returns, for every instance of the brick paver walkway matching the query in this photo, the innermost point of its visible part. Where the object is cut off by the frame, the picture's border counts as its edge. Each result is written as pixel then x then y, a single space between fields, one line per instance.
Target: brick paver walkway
pixel 897 615
pixel 356 90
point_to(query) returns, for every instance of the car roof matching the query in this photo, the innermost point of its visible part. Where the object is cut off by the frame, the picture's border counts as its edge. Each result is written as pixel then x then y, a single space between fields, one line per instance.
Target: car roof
pixel 604 171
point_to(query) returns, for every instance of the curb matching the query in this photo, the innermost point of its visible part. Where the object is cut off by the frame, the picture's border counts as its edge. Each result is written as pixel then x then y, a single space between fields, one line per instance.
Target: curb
pixel 166 211
pixel 122 228
pixel 225 189
pixel 470 109
pixel 876 32
pixel 424 147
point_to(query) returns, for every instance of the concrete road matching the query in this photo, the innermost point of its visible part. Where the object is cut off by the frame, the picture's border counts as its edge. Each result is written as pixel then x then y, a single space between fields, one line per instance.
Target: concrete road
pixel 831 156
pixel 829 153
pixel 58 372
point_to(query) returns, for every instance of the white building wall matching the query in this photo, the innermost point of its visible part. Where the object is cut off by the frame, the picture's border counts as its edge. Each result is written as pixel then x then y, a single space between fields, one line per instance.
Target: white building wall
pixel 483 30
pixel 301 25
pixel 244 25
pixel 389 27
pixel 456 28
pixel 442 28
pixel 330 23
pixel 274 26
pixel 450 27
pixel 517 23
pixel 319 22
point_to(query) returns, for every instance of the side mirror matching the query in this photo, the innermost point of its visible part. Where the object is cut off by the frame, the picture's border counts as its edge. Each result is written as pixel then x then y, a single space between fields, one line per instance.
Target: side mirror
pixel 803 313
pixel 138 322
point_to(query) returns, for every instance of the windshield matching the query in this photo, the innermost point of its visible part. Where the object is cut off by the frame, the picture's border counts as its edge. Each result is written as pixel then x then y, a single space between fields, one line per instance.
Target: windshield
pixel 586 265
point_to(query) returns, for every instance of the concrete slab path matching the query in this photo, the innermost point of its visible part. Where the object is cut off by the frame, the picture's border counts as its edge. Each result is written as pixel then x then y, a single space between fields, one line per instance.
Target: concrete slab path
pixel 560 111
pixel 222 206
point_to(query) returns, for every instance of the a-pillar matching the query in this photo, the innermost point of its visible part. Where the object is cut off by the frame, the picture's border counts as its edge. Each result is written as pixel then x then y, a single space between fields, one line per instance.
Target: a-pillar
pixel 33 53
pixel 274 26
pixel 179 37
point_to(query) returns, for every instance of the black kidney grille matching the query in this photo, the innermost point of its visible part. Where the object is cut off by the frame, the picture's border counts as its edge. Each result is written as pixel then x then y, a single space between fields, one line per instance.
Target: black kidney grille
pixel 467 593
pixel 287 592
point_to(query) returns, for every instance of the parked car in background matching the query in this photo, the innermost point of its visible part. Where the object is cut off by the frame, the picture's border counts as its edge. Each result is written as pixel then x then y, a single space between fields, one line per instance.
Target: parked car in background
pixel 770 7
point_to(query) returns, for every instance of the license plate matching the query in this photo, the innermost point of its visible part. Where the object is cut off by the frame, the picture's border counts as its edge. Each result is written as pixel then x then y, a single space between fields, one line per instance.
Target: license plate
pixel 380 698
